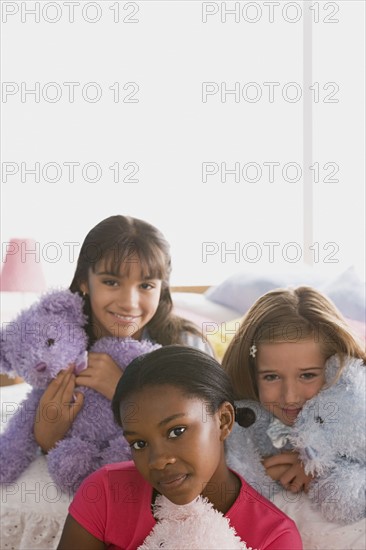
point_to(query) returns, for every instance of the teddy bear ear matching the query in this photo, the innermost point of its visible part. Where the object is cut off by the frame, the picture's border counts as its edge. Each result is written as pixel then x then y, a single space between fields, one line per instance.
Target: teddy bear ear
pixel 66 302
pixel 244 416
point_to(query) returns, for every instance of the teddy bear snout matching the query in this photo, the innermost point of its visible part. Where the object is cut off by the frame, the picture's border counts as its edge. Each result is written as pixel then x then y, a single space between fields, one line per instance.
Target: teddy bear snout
pixel 41 367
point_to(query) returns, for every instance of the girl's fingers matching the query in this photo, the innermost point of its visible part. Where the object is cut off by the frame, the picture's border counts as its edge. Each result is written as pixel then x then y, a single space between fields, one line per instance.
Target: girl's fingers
pixel 65 384
pixel 85 372
pixel 275 460
pixel 58 384
pixel 288 477
pixel 76 406
pixel 102 374
pixel 306 484
pixel 275 472
pixel 295 479
pixel 57 409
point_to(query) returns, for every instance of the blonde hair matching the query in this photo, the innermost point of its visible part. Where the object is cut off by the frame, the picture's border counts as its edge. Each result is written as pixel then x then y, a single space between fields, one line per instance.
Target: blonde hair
pixel 287 315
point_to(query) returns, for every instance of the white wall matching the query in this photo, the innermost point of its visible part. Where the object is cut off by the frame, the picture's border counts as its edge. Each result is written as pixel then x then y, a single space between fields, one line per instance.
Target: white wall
pixel 168 50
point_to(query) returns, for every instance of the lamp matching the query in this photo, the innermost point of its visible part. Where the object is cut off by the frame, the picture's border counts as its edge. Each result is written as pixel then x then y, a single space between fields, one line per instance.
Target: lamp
pixel 22 270
pixel 22 278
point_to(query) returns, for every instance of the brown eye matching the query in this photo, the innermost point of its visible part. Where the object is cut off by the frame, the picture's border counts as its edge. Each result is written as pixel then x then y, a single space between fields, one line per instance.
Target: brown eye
pixel 50 342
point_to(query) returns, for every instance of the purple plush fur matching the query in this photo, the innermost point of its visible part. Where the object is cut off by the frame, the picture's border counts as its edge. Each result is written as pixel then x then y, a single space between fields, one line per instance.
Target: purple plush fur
pixel 42 341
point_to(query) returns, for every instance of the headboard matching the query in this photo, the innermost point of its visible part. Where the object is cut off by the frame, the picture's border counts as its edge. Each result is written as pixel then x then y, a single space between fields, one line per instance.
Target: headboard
pixel 194 289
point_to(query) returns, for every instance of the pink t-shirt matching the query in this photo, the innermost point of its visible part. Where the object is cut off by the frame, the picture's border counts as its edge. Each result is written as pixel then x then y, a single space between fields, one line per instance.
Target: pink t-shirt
pixel 114 505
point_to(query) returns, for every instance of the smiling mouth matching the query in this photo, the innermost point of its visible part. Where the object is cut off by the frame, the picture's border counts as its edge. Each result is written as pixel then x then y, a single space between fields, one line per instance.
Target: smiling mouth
pixel 126 318
pixel 291 412
pixel 172 482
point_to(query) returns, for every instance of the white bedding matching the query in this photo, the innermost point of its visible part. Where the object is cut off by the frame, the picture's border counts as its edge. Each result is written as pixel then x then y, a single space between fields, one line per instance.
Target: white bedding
pixel 33 509
pixel 315 531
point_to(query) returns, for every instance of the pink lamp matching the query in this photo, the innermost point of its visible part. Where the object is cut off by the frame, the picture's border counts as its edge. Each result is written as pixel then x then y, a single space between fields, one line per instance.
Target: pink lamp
pixel 22 270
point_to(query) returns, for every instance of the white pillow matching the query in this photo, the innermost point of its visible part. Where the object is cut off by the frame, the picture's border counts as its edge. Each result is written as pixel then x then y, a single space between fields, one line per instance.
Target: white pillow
pixel 240 291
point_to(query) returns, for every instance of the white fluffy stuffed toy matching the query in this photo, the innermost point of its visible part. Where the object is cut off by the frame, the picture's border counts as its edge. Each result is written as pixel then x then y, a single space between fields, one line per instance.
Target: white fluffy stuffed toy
pixel 191 526
pixel 330 435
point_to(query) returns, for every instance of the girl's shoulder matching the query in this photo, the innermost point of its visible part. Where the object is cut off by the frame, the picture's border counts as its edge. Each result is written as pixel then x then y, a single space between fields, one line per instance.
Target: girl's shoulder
pixel 250 495
pixel 113 492
pixel 187 339
pixel 196 341
pixel 275 526
pixel 120 481
pixel 119 471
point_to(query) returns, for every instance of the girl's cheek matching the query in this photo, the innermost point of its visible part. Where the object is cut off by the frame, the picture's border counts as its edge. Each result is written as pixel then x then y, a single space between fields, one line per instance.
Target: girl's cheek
pixel 262 393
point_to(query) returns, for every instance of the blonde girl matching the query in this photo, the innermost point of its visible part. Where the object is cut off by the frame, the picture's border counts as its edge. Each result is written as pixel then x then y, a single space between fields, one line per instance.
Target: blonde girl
pixel 278 361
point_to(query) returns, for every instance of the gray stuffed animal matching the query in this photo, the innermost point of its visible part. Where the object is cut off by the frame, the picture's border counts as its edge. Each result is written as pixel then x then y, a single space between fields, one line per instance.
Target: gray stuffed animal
pixel 329 435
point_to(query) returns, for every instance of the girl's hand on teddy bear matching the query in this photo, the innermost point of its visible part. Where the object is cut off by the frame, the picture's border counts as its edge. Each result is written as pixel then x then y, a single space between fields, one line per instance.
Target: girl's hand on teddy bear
pixel 102 374
pixel 57 410
pixel 287 469
pixel 276 470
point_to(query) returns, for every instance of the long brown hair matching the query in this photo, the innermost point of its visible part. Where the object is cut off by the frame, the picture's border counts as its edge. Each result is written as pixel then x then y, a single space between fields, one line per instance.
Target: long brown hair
pixel 287 315
pixel 116 241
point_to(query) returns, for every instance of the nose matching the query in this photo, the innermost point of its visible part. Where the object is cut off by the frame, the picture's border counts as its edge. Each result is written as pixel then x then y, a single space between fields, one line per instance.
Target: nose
pixel 159 458
pixel 41 367
pixel 290 394
pixel 128 299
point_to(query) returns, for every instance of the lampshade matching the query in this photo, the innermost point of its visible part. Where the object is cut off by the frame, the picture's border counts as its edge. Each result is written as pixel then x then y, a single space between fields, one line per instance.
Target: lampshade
pixel 22 269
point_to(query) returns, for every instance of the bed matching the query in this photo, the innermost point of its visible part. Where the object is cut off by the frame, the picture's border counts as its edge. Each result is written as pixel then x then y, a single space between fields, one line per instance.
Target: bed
pixel 33 509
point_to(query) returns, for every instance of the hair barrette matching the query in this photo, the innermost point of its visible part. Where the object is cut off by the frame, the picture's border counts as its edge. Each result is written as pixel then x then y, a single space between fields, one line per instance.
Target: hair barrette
pixel 253 350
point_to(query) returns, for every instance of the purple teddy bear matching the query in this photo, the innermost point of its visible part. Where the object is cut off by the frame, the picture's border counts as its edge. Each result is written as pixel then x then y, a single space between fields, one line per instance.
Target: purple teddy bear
pixel 37 345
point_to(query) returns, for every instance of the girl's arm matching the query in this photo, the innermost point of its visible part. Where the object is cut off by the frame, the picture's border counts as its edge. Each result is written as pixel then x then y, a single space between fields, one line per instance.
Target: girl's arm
pixel 287 469
pixel 57 410
pixel 196 341
pixel 75 537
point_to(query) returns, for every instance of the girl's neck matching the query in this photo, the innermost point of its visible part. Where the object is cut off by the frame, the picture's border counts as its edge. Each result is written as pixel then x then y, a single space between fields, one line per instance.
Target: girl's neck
pixel 222 496
pixel 222 499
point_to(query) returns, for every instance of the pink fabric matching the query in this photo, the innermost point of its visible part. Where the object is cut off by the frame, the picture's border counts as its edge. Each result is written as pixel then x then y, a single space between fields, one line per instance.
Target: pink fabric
pixel 114 505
